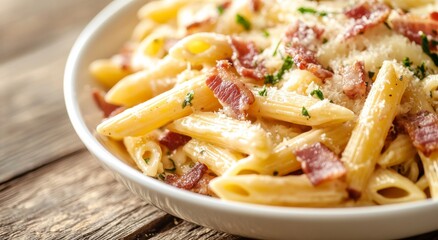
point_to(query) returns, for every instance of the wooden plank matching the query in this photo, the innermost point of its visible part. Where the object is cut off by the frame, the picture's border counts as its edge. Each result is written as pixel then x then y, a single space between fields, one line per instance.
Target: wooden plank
pixel 33 124
pixel 26 24
pixel 74 198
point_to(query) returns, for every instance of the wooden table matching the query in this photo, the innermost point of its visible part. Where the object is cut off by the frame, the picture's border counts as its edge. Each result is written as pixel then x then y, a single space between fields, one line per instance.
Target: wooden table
pixel 50 186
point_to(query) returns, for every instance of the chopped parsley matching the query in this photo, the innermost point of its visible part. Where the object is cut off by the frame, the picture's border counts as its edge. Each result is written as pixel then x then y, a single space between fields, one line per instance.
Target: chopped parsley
pixel 305 112
pixel 406 62
pixel 173 167
pixel 318 94
pixel 420 71
pixel 275 173
pixel 266 33
pixel 243 22
pixel 276 48
pixel 304 10
pixel 188 99
pixel 161 176
pixel 371 74
pixel 146 160
pixel 220 9
pixel 426 49
pixel 324 40
pixel 287 65
pixel 263 92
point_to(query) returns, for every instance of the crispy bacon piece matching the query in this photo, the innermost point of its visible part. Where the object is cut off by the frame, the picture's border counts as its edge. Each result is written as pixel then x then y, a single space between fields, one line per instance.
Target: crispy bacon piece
pixel 189 180
pixel 173 140
pixel 305 59
pixel 319 163
pixel 299 32
pixel 355 79
pixel 230 91
pixel 422 129
pixel 366 15
pixel 299 39
pixel 433 16
pixel 412 26
pixel 202 186
pixel 108 109
pixel 245 59
pixel 200 26
pixel 255 5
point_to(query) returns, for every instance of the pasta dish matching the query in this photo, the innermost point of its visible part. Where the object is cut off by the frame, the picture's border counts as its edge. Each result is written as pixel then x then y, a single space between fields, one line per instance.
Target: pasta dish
pixel 283 102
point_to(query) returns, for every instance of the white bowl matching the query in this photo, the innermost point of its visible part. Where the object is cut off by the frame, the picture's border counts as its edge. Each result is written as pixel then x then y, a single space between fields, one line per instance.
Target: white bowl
pixel 103 37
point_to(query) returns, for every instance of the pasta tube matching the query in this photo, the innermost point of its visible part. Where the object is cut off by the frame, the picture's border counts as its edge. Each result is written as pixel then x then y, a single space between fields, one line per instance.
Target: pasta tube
pixel 388 187
pixel 284 191
pixel 160 110
pixel 295 108
pixel 216 158
pixel 225 132
pixel 283 161
pixel 375 120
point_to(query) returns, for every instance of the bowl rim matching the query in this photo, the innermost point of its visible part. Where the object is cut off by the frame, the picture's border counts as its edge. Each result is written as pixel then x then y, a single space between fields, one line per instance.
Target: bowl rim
pixel 256 210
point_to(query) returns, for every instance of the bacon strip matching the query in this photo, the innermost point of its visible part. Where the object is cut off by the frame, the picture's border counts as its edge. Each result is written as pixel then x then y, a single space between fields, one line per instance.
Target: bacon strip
pixel 108 109
pixel 200 26
pixel 366 15
pixel 255 5
pixel 355 79
pixel 189 180
pixel 319 163
pixel 412 26
pixel 230 91
pixel 173 140
pixel 305 59
pixel 422 129
pixel 245 59
pixel 300 37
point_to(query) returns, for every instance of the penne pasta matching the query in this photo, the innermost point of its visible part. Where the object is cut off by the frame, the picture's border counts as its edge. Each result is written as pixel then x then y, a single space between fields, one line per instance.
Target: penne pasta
pixel 225 132
pixel 217 159
pixel 295 108
pixel 143 85
pixel 283 161
pixel 389 187
pixel 202 48
pixel 279 102
pixel 283 191
pixel 367 139
pixel 146 153
pixel 160 110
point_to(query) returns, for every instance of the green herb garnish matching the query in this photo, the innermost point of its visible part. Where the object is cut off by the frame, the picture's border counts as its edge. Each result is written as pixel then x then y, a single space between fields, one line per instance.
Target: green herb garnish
pixel 243 21
pixel 263 92
pixel 318 94
pixel 173 167
pixel 305 112
pixel 426 49
pixel 287 65
pixel 188 99
pixel 324 40
pixel 161 176
pixel 304 10
pixel 370 74
pixel 276 48
pixel 275 173
pixel 266 33
pixel 220 9
pixel 420 71
pixel 146 160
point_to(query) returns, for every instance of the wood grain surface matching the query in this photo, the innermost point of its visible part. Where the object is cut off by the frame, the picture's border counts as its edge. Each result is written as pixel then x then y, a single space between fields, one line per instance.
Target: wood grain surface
pixel 50 186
